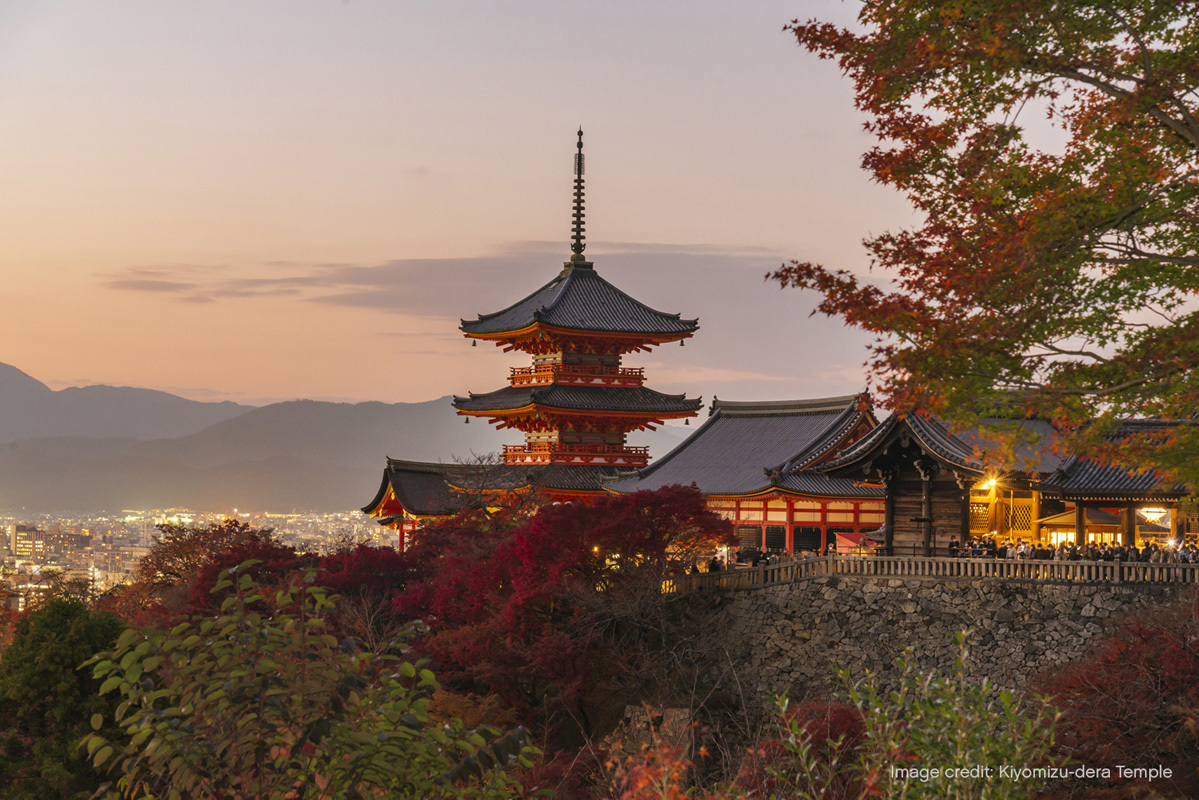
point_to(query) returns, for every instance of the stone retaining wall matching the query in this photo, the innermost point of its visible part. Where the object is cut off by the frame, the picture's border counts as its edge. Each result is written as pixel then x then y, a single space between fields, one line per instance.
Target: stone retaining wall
pixel 788 638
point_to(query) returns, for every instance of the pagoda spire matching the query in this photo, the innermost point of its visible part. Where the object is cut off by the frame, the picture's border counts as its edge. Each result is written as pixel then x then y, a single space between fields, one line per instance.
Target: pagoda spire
pixel 577 245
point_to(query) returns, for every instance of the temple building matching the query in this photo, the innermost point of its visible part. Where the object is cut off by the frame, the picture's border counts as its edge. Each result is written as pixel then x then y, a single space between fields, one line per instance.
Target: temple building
pixel 575 401
pixel 756 463
pixel 942 485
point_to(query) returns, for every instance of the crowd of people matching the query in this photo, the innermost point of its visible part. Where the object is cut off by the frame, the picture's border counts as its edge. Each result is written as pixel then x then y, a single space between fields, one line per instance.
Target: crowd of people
pixel 988 547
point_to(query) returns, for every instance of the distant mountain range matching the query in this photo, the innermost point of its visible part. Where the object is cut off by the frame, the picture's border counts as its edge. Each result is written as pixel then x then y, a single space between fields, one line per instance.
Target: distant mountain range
pixel 100 448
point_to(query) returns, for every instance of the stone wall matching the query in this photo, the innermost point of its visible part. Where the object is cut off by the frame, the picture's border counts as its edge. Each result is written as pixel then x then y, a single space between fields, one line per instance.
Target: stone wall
pixel 789 638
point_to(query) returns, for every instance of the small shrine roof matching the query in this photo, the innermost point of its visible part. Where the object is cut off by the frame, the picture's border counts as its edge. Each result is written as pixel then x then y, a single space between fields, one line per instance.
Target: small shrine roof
pixel 579 299
pixel 579 398
pixel 427 489
pixel 742 444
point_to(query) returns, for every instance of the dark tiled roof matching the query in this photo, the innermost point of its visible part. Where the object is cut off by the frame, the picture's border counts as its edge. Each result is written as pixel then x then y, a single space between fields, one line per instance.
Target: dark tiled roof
pixel 580 398
pixel 1080 477
pixel 732 451
pixel 579 299
pixel 967 449
pixel 427 489
pixel 821 485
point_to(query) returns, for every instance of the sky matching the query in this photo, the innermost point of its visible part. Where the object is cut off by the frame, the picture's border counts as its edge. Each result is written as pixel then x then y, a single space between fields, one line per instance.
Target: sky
pixel 302 198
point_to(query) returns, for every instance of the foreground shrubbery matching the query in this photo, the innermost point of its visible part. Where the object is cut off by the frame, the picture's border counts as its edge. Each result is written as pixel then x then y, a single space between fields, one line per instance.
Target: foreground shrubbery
pixel 553 619
pixel 260 701
pixel 876 745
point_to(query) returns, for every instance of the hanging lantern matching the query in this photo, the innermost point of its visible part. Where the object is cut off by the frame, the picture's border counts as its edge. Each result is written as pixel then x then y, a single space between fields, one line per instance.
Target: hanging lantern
pixel 1154 514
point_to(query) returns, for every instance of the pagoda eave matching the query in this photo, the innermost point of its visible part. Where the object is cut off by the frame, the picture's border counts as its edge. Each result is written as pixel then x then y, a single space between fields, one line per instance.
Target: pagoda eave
pixel 540 336
pixel 536 410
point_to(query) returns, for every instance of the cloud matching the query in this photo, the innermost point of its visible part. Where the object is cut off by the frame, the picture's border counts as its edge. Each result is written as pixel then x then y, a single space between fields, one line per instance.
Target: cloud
pixel 755 341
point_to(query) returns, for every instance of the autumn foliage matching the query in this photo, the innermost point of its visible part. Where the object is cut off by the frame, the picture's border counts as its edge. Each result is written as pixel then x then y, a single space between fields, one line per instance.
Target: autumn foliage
pixel 1054 267
pixel 1135 699
pixel 533 610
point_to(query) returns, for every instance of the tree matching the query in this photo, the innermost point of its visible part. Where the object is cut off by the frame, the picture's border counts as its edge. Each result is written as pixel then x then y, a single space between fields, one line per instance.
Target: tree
pixel 560 614
pixel 261 702
pixel 164 578
pixel 1042 280
pixel 46 701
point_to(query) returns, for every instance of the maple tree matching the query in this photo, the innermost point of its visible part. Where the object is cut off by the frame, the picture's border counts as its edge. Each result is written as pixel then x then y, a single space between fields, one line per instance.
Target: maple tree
pixel 1058 280
pixel 557 613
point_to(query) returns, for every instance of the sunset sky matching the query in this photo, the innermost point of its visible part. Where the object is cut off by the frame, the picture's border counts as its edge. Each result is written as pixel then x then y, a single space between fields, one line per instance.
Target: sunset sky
pixel 301 198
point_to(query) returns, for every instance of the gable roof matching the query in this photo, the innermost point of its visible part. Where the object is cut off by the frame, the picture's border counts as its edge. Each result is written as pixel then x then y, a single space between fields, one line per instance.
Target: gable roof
pixel 741 445
pixel 966 450
pixel 579 299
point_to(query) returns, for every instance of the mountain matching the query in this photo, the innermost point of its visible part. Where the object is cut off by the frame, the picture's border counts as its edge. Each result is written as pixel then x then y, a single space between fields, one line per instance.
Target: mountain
pixel 300 455
pixel 30 408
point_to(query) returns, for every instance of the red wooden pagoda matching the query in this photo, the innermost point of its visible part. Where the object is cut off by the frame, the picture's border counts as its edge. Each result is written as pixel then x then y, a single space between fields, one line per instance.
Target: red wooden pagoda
pixel 576 402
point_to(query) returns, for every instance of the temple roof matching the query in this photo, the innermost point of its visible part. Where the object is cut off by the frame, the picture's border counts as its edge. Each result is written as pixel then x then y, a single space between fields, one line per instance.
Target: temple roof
pixel 966 450
pixel 579 299
pixel 427 489
pixel 579 398
pixel 743 445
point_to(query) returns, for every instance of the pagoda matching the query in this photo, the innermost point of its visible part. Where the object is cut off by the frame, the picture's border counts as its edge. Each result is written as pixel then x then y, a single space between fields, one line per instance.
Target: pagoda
pixel 576 402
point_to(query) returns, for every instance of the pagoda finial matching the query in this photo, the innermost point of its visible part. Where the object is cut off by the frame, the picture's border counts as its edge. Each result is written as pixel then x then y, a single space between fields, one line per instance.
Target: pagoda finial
pixel 577 246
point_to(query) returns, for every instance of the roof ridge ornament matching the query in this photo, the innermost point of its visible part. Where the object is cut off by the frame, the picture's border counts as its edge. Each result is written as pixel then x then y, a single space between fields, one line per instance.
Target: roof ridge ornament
pixel 577 244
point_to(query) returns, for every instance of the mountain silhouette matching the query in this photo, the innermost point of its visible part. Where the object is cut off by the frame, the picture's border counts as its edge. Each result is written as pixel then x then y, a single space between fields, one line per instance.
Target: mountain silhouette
pixel 30 408
pixel 302 455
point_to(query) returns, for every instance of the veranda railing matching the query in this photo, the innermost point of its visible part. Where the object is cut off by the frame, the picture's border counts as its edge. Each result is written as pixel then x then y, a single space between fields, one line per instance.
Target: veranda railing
pixel 935 567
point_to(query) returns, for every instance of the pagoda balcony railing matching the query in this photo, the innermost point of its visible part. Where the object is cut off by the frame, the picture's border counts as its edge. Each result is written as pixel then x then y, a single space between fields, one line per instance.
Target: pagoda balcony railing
pixel 587 448
pixel 577 375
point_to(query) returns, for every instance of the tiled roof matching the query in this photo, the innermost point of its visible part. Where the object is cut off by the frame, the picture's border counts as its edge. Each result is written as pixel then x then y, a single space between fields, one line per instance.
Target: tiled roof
pixel 579 299
pixel 732 452
pixel 967 450
pixel 1080 477
pixel 581 398
pixel 427 489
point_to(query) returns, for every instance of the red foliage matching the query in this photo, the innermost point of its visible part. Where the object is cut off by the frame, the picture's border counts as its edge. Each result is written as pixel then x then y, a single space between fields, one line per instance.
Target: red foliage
pixel 834 731
pixel 365 570
pixel 276 563
pixel 508 606
pixel 1135 699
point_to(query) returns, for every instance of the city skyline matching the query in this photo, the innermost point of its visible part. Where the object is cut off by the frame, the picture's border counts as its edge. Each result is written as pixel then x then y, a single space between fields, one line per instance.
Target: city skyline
pixel 259 203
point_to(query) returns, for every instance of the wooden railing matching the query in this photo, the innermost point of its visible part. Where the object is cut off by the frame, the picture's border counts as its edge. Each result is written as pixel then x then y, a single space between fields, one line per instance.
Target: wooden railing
pixel 935 567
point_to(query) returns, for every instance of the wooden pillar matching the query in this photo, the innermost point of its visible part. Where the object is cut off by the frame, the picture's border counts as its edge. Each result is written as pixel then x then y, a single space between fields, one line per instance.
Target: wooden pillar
pixel 926 512
pixel 889 516
pixel 1176 531
pixel 1036 515
pixel 790 527
pixel 1129 518
pixel 1080 523
pixel 964 527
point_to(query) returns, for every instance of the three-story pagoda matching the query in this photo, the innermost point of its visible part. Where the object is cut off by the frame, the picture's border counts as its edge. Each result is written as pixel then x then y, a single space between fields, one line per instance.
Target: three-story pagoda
pixel 576 402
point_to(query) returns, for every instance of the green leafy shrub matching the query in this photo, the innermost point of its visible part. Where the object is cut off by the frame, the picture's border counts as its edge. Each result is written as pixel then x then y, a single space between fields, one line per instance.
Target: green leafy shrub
pixel 261 702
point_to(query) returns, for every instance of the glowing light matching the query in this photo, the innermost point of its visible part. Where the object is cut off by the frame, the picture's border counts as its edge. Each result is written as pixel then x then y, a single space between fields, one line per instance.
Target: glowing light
pixel 1153 514
pixel 595 549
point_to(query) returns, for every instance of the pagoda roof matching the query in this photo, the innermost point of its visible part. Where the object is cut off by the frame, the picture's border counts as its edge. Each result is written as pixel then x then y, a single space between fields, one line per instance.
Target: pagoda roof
pixel 742 447
pixel 428 489
pixel 579 398
pixel 579 299
pixel 1084 478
